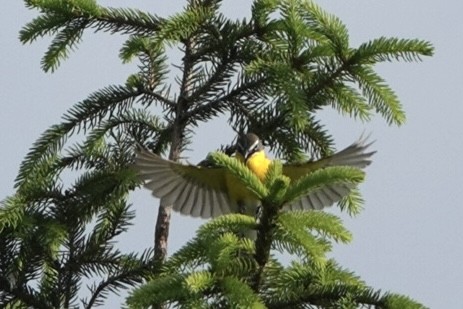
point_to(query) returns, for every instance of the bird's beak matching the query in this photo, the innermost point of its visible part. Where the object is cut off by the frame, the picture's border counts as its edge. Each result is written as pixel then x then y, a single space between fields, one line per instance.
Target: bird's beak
pixel 246 154
pixel 249 152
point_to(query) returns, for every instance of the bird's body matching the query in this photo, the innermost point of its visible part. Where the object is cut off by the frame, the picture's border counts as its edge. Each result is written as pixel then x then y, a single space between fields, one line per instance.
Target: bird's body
pixel 239 194
pixel 246 201
pixel 258 163
pixel 206 192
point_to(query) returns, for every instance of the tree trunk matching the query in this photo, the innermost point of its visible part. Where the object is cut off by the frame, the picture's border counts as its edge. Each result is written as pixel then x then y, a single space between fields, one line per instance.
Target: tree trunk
pixel 161 233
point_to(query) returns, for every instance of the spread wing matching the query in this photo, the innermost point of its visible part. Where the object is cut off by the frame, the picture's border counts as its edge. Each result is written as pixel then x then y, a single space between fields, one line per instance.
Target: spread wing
pixel 356 155
pixel 192 190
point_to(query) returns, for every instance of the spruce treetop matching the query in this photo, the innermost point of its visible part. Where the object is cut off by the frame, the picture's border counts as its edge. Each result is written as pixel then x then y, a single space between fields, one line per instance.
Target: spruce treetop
pixel 269 74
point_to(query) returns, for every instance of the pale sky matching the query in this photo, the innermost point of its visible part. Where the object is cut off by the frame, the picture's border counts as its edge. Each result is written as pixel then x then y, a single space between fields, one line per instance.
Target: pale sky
pixel 409 237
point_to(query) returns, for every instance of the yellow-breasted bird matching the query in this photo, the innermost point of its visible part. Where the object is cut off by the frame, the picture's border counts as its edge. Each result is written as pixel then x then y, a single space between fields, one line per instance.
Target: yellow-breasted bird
pixel 203 191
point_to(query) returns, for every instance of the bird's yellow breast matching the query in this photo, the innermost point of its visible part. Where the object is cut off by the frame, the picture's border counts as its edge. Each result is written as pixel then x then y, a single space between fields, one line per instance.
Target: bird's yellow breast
pixel 258 163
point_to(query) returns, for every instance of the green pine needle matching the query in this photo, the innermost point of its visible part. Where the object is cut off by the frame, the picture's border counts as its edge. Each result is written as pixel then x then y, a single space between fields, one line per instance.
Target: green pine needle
pixel 327 176
pixel 238 169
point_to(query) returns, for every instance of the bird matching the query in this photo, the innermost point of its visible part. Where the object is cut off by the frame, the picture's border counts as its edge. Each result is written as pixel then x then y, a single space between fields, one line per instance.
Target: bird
pixel 209 191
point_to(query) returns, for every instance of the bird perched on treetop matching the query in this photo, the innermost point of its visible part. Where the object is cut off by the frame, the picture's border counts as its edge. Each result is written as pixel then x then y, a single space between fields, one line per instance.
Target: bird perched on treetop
pixel 205 191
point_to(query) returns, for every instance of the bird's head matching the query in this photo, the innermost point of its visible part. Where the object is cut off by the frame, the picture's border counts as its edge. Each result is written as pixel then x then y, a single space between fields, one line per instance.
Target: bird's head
pixel 248 144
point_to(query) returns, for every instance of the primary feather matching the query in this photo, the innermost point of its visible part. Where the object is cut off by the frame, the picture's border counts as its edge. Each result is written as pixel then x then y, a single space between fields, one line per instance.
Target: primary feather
pixel 191 190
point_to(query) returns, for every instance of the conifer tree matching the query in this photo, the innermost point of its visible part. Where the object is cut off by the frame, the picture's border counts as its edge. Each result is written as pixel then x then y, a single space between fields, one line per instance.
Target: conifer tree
pixel 268 74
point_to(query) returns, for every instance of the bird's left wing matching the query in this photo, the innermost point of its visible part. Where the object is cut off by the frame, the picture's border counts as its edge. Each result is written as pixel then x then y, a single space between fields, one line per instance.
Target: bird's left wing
pixel 192 190
pixel 321 197
pixel 355 155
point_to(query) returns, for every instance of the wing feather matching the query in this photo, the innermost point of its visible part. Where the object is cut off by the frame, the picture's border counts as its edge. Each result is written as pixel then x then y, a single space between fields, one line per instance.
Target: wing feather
pixel 191 190
pixel 224 206
pixel 312 203
pixel 198 208
pixel 174 195
pixel 200 200
pixel 188 205
pixel 184 197
pixel 321 197
pixel 213 207
pixel 216 210
pixel 355 155
pixel 317 200
pixel 324 199
pixel 162 188
pixel 209 207
pixel 297 205
pixel 334 192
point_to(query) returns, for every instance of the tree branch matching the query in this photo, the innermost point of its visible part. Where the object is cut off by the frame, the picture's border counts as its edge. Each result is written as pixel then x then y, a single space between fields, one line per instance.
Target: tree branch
pixel 127 21
pixel 264 241
pixel 26 298
pixel 112 280
pixel 229 97
pixel 159 97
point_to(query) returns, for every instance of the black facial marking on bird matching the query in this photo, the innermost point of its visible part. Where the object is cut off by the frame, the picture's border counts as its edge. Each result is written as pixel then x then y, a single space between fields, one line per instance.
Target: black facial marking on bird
pixel 247 144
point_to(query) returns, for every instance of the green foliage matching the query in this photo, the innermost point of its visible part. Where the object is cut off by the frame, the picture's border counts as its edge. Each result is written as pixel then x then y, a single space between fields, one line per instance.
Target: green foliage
pixel 204 272
pixel 321 177
pixel 352 203
pixel 222 269
pixel 56 236
pixel 269 74
pixel 325 226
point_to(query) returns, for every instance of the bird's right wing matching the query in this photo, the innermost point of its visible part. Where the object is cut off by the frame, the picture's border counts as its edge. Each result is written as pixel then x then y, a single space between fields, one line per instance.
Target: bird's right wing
pixel 192 190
